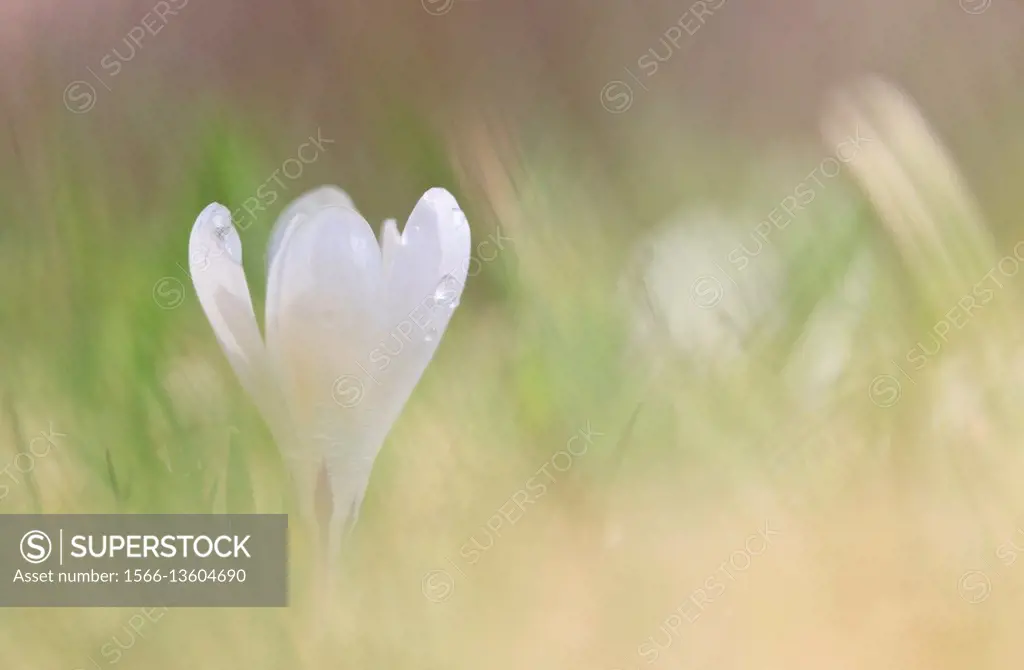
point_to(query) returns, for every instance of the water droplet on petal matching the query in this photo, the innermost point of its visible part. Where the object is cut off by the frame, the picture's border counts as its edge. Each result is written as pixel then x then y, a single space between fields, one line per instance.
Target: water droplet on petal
pixel 227 239
pixel 447 293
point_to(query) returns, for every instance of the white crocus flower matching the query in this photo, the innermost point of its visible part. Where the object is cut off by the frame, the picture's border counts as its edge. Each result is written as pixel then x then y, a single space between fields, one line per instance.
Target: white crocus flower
pixel 695 292
pixel 350 327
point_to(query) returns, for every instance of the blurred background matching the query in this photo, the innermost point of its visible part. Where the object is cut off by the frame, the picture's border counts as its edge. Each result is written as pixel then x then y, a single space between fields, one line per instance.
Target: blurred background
pixel 726 231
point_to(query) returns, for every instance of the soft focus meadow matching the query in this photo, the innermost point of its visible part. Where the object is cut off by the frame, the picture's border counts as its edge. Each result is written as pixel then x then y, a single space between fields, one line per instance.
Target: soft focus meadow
pixel 735 380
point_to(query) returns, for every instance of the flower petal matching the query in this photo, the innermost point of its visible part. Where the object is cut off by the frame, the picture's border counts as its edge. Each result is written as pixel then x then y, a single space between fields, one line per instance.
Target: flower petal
pixel 431 258
pixel 453 231
pixel 424 286
pixel 304 207
pixel 323 311
pixel 215 260
pixel 215 263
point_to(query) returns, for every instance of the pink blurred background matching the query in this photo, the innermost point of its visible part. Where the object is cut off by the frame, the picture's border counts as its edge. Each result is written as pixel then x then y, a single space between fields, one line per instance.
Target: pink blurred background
pixel 752 72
